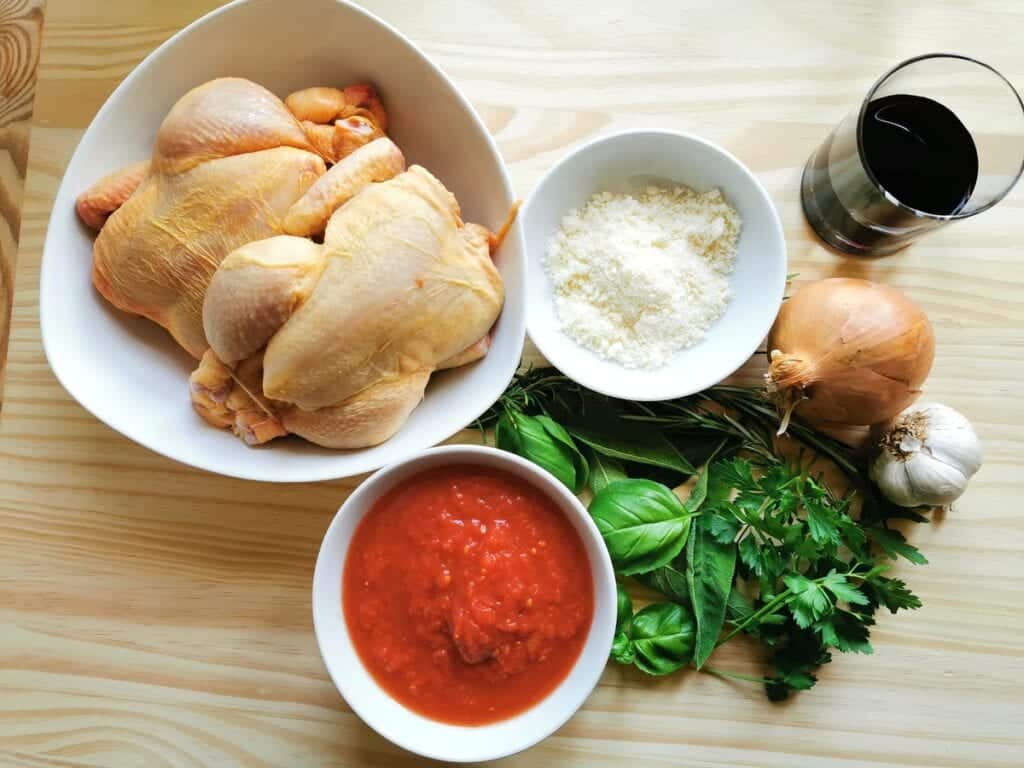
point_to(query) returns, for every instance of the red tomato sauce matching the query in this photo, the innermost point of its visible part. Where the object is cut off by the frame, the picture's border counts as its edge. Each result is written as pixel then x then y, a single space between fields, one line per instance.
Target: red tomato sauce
pixel 467 594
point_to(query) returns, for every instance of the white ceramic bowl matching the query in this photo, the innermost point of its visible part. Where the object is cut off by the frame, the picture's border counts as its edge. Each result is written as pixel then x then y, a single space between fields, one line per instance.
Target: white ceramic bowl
pixel 627 163
pixel 408 729
pixel 127 371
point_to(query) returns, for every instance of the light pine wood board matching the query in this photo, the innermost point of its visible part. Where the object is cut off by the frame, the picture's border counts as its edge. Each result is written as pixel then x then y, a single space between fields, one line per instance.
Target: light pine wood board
pixel 153 615
pixel 21 22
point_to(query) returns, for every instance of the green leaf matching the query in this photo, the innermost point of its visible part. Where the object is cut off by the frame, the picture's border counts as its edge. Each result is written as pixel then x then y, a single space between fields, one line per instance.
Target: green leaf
pixel 699 493
pixel 604 471
pixel 892 593
pixel 738 474
pixel 894 544
pixel 750 553
pixel 622 649
pixel 710 566
pixel 527 436
pixel 797 584
pixel 795 662
pixel 643 523
pixel 579 461
pixel 724 528
pixel 779 687
pixel 809 601
pixel 624 609
pixel 853 535
pixel 820 522
pixel 737 607
pixel 670 580
pixel 506 434
pixel 663 637
pixel 838 585
pixel 845 632
pixel 702 491
pixel 619 439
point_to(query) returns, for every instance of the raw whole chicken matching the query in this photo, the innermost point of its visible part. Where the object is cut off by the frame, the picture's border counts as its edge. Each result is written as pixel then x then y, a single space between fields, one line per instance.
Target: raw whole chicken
pixel 229 161
pixel 331 340
pixel 335 342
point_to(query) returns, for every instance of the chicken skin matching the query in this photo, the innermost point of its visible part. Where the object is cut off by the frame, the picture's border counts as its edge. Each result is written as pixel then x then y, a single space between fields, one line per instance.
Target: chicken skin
pixel 349 332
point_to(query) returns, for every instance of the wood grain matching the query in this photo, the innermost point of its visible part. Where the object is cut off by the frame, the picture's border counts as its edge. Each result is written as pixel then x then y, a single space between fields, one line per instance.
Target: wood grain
pixel 21 23
pixel 155 615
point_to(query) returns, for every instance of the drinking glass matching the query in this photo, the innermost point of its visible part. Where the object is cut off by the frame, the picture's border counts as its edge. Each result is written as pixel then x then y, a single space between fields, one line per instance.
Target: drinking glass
pixel 851 210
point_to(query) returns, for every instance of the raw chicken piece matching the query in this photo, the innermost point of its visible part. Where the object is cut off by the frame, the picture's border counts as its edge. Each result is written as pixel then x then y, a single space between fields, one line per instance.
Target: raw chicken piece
pixel 353 328
pixel 228 163
pixel 325 105
pixel 335 142
pixel 380 160
pixel 337 122
pixel 95 205
pixel 230 398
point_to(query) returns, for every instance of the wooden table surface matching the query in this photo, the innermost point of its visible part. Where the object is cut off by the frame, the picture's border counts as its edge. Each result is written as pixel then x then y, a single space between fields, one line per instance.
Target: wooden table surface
pixel 153 615
pixel 20 25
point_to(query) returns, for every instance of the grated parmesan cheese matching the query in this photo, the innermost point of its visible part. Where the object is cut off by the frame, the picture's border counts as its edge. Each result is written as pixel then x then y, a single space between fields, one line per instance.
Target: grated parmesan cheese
pixel 638 278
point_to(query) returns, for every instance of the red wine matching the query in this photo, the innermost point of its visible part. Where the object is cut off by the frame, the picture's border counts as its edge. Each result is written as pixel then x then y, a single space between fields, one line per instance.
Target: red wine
pixel 915 149
pixel 920 153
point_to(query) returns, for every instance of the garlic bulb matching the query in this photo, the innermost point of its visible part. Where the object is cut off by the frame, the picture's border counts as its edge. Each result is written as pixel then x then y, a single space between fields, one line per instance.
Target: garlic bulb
pixel 927 456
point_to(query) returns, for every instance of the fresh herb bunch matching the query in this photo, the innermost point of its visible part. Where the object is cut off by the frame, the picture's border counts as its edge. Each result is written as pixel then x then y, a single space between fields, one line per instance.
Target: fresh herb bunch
pixel 761 546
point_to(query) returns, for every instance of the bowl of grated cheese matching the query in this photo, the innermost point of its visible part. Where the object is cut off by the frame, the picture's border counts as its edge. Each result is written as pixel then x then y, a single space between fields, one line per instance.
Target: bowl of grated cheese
pixel 656 264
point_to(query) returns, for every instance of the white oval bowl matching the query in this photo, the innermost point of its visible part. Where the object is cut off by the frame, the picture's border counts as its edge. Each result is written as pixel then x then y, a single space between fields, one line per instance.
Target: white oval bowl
pixel 628 163
pixel 128 372
pixel 408 729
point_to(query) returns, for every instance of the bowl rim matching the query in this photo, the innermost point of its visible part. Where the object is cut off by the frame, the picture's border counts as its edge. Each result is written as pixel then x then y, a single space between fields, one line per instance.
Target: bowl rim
pixel 602 572
pixel 318 473
pixel 534 262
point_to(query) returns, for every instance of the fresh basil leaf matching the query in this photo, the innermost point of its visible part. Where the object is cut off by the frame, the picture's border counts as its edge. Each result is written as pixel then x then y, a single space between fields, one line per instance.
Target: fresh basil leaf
pixel 670 580
pixel 624 609
pixel 662 638
pixel 506 435
pixel 604 470
pixel 624 440
pixel 622 649
pixel 710 566
pixel 579 461
pixel 643 523
pixel 526 436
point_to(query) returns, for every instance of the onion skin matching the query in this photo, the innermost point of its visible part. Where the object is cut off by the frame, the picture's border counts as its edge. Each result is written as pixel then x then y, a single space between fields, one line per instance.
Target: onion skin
pixel 849 351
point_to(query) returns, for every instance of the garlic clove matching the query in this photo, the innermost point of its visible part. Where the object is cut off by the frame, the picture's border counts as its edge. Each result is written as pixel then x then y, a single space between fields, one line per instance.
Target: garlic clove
pixel 931 481
pixel 891 475
pixel 956 451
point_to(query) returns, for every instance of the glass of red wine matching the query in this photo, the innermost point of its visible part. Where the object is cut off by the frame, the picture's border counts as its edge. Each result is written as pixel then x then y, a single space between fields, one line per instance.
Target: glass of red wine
pixel 938 138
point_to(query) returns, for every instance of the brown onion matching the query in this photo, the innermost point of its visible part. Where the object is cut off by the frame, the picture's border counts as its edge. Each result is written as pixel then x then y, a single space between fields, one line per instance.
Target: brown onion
pixel 848 351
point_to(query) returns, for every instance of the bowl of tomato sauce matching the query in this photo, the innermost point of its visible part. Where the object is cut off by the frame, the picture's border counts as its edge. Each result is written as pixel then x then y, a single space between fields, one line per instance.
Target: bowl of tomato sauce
pixel 464 603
